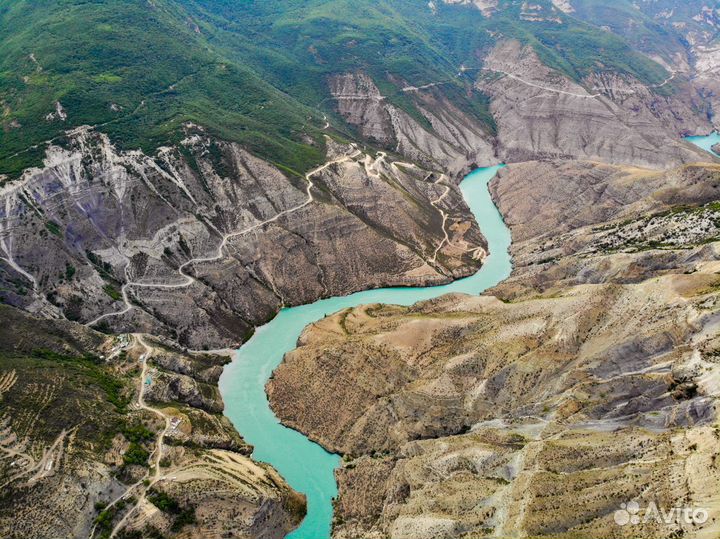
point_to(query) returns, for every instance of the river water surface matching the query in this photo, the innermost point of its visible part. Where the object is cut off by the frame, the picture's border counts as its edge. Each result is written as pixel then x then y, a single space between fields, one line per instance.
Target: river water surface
pixel 705 142
pixel 306 466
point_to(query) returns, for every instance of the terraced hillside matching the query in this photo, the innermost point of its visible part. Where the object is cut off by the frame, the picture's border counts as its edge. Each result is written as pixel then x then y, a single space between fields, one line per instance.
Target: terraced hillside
pixel 101 431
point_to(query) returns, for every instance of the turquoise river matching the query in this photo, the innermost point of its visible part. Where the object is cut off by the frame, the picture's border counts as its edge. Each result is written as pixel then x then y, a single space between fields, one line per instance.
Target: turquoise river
pixel 706 142
pixel 306 466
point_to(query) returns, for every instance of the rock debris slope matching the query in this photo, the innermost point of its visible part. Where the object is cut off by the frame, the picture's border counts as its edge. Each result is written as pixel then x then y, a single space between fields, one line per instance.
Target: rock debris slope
pixel 450 139
pixel 541 112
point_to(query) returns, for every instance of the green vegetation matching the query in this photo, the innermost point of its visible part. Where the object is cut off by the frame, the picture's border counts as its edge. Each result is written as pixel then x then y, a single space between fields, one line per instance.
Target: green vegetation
pixel 136 454
pixel 404 39
pixel 137 69
pixel 167 504
pixel 91 367
pixel 138 433
pixel 579 50
pixel 648 26
pixel 113 292
pixel 186 517
pixel 106 517
pixel 163 502
pixel 304 41
pixel 104 522
pixel 102 267
pixel 254 72
pixel 54 228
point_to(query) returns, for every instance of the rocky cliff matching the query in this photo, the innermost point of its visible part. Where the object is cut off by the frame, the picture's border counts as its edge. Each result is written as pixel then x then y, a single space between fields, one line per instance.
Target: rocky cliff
pixel 542 113
pixel 595 223
pixel 592 381
pixel 591 384
pixel 203 241
pixel 448 138
pixel 537 111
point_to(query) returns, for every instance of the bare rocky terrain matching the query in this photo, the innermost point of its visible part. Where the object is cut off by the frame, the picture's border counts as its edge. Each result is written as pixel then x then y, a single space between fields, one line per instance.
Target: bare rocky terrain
pixel 203 242
pixel 594 223
pixel 539 112
pixel 76 432
pixel 451 140
pixel 586 380
pixel 542 113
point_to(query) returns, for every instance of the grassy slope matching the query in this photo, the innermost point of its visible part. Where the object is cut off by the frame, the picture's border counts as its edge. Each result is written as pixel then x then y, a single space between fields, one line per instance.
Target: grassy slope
pixel 576 47
pixel 404 38
pixel 61 383
pixel 297 45
pixel 251 71
pixel 683 12
pixel 623 18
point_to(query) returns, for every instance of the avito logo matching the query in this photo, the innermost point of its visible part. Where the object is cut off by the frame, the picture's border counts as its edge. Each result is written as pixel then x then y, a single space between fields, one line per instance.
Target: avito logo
pixel 631 513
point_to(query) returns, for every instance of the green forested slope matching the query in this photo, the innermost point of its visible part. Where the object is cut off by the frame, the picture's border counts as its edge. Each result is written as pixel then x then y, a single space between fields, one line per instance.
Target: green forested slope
pixel 139 68
pixel 251 71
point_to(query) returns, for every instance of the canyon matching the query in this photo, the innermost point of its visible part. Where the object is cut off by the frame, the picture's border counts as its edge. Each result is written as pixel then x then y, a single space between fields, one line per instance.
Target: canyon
pixel 286 166
pixel 585 380
pixel 153 240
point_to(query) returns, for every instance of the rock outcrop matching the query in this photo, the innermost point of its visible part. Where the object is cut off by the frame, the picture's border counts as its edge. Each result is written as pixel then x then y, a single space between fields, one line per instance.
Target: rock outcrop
pixel 542 113
pixel 595 223
pixel 538 112
pixel 203 241
pixel 587 380
pixel 450 139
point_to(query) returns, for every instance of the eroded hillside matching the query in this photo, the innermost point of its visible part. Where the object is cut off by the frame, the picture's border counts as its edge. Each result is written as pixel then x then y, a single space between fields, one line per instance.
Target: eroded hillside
pixel 591 382
pixel 204 241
